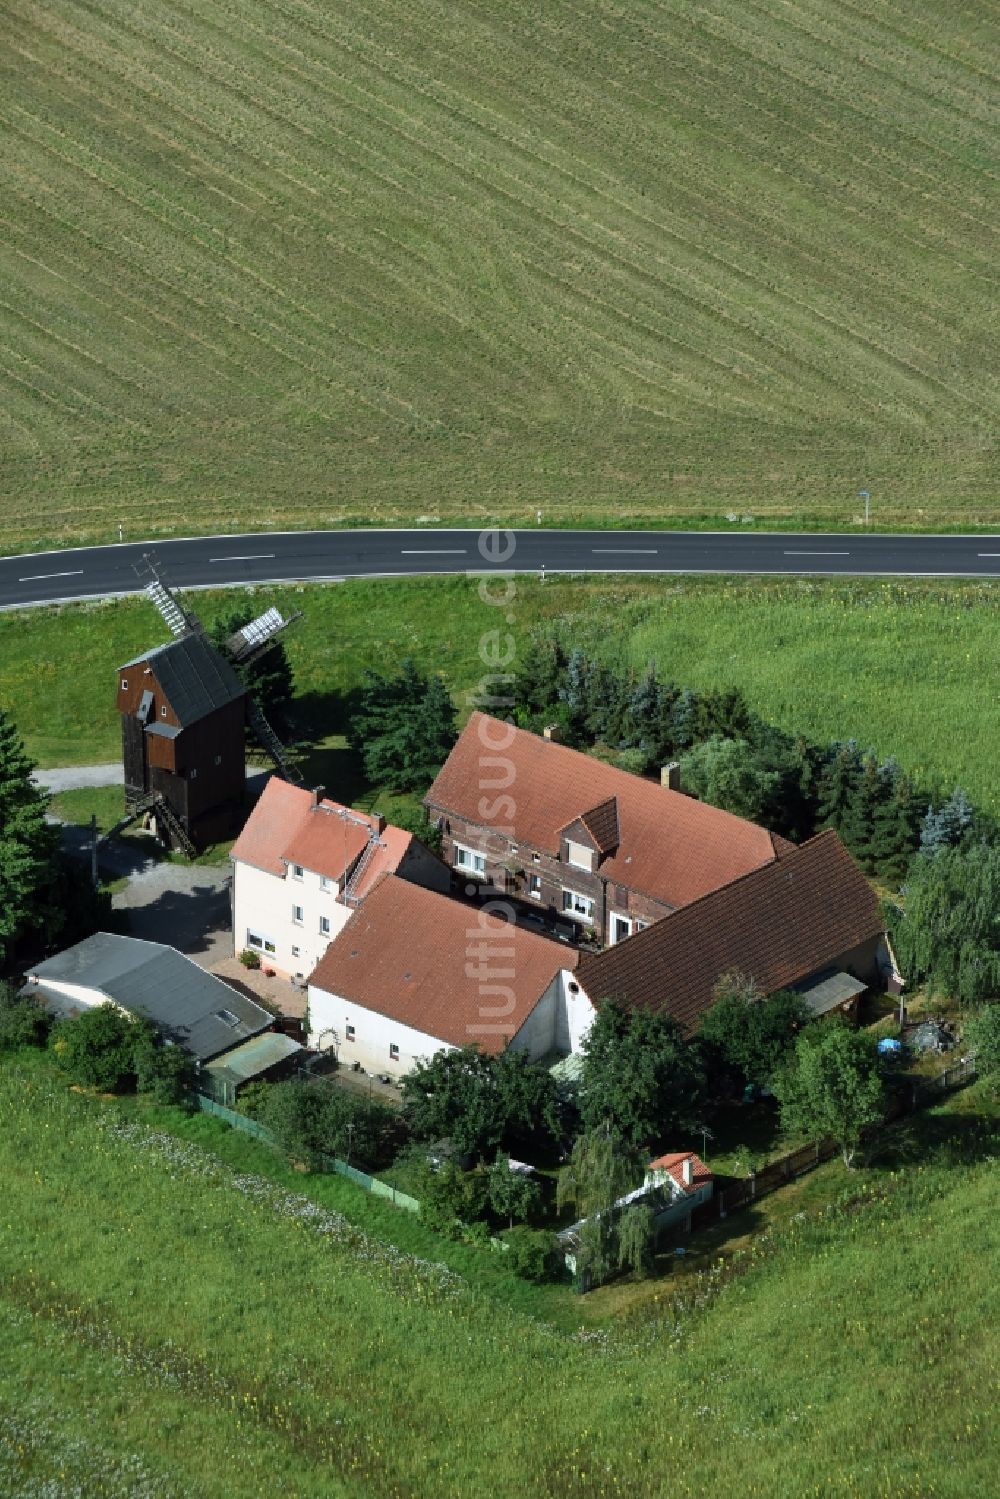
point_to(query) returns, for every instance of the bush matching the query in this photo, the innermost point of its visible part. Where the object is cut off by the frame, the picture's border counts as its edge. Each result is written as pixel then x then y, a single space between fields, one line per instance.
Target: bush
pixel 164 1071
pixel 533 1254
pixel 23 1022
pixel 97 1049
pixel 250 958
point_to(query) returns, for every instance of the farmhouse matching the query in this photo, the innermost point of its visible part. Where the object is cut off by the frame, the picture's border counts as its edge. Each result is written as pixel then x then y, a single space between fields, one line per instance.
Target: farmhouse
pixel 414 972
pixel 183 712
pixel 303 864
pixel 188 1006
pixel 809 921
pixel 607 851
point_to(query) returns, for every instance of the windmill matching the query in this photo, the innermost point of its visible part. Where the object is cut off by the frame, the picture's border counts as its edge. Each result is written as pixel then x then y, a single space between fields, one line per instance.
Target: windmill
pixel 185 716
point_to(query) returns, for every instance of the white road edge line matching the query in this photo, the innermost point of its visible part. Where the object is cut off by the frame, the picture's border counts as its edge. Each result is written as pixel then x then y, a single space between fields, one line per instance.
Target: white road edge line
pixel 37 577
pixel 249 557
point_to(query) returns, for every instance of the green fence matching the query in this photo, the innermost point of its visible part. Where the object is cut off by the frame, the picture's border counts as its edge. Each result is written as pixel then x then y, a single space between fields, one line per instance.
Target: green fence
pixel 329 1163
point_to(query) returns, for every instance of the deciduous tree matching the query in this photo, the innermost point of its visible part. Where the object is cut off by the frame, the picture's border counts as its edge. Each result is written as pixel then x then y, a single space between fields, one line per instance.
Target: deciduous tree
pixel 831 1086
pixel 640 1078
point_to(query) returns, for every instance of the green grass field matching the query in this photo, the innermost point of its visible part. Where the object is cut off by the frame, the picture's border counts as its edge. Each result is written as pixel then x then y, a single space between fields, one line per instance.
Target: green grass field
pixel 909 668
pixel 175 1325
pixel 282 263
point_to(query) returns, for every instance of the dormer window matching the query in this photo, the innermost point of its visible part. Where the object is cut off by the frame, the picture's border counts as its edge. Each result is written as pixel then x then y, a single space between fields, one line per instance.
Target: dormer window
pixel 579 855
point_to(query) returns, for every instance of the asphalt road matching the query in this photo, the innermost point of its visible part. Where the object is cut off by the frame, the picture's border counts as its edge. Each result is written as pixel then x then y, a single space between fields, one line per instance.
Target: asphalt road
pixel 300 556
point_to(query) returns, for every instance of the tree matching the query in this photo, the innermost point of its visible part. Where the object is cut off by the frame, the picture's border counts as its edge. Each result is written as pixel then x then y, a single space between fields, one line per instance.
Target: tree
pixel 836 784
pixel 314 1119
pixel 636 1230
pixel 97 1048
pixel 164 1071
pixel 293 1112
pixel 640 1078
pixel 728 774
pixel 268 678
pixel 945 826
pixel 831 1086
pixel 453 1096
pixel 450 1198
pixel 403 726
pixel 527 1102
pixel 512 1194
pixel 948 932
pixel 415 822
pixel 602 1169
pixel 28 848
pixel 23 1021
pixel 753 1032
pixel 982 1033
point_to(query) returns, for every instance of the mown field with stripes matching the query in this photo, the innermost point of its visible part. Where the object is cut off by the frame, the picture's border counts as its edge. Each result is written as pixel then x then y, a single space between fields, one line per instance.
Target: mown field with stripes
pixel 280 261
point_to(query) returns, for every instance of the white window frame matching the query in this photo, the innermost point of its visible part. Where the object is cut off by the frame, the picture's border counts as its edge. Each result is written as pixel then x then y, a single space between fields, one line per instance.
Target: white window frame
pixel 393 1051
pixel 579 856
pixel 476 867
pixel 348 1032
pixel 626 921
pixel 535 886
pixel 639 926
pixel 296 871
pixel 325 882
pixel 296 952
pixel 324 926
pixel 569 899
pixel 298 916
pixel 260 943
pixel 124 684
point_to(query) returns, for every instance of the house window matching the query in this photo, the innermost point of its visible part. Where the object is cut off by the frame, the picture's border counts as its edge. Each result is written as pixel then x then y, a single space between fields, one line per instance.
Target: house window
pixel 218 759
pixel 640 926
pixel 579 855
pixel 298 915
pixel 393 1052
pixel 348 1033
pixel 297 872
pixel 535 886
pixel 124 684
pixel 579 906
pixel 259 943
pixel 163 712
pixel 193 773
pixel 536 858
pixel 621 928
pixel 325 882
pixel 296 953
pixel 324 926
pixel 471 861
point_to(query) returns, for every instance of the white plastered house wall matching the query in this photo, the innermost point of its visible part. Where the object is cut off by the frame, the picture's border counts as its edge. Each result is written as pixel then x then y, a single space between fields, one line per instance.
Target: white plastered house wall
pixel 558 1022
pixel 70 999
pixel 264 918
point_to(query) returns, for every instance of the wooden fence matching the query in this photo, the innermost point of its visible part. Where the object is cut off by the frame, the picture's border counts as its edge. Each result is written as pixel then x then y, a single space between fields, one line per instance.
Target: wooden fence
pixel 328 1163
pixel 917 1093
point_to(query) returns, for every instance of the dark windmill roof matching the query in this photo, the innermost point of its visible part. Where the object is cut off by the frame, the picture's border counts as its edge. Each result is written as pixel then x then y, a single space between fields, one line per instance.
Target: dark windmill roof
pixel 195 678
pixel 193 1008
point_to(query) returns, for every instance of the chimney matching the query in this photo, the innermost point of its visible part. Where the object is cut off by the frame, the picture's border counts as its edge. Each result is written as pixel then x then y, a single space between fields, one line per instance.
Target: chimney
pixel 687 1171
pixel 670 776
pixel 378 824
pixel 318 794
pixel 552 732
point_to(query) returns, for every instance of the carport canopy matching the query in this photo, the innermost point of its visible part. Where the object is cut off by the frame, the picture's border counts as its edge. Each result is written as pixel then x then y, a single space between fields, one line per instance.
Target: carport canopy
pixel 253 1058
pixel 825 991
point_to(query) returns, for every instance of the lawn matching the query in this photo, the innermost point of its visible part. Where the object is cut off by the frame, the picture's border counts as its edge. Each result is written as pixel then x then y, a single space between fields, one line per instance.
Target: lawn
pixel 273 263
pixel 910 668
pixel 169 1315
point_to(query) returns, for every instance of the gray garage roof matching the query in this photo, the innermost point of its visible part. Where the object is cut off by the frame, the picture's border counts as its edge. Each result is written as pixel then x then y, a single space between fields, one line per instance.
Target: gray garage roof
pixel 195 677
pixel 193 1007
pixel 824 991
pixel 255 1056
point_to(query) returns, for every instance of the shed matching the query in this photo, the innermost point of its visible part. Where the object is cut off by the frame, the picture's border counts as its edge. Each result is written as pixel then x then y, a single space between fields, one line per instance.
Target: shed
pixel 830 990
pixel 254 1061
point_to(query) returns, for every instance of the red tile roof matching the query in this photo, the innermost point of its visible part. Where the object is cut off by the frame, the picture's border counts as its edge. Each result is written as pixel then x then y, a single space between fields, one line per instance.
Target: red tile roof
pixel 286 827
pixel 669 846
pixel 440 966
pixel 673 1164
pixel 776 925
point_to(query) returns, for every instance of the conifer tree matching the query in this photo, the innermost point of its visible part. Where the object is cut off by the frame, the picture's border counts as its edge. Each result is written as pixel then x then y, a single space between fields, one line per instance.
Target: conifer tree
pixel 28 845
